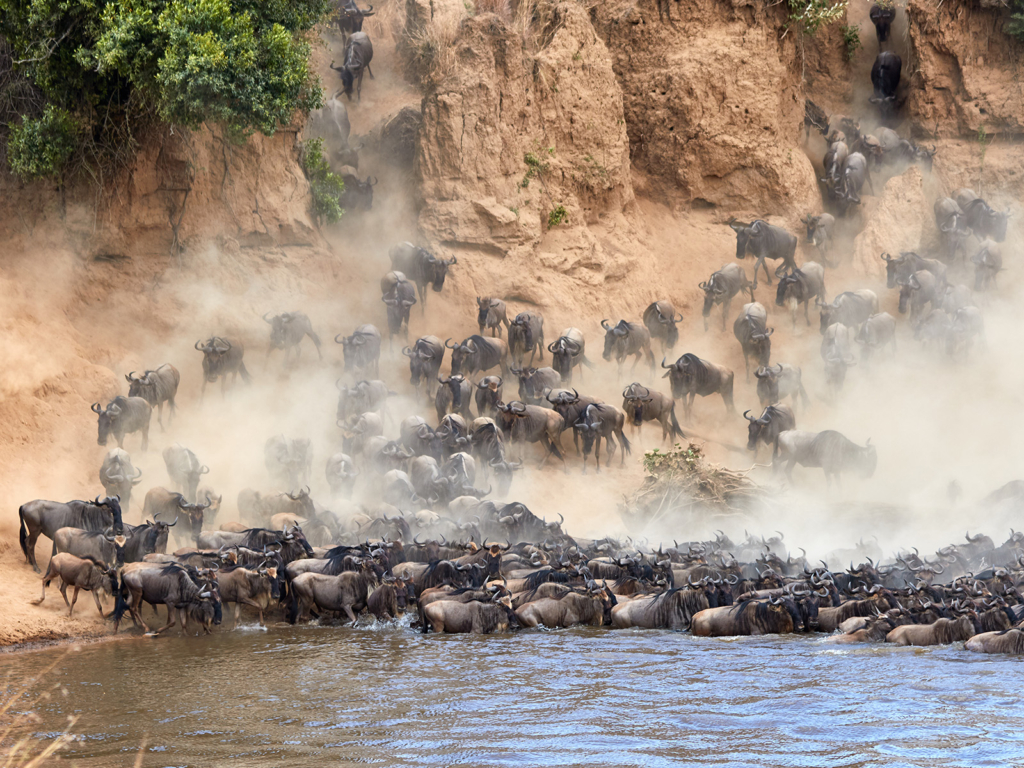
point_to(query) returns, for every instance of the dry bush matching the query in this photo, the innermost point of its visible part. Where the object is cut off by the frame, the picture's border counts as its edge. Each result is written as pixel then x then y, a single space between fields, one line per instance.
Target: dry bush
pixel 434 47
pixel 501 8
pixel 387 23
pixel 26 750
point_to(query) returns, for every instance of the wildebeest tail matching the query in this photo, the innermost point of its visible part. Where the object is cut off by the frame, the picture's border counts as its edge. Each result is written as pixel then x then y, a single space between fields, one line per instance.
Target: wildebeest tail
pixel 624 442
pixel 292 612
pixel 23 533
pixel 244 373
pixel 315 338
pixel 676 430
pixel 120 604
pixel 803 395
pixel 586 362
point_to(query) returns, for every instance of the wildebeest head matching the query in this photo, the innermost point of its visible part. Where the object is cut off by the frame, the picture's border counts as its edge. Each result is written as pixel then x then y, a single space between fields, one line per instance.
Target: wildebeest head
pixel 358 349
pixel 754 429
pixel 462 354
pixel 279 336
pixel 891 265
pixel 882 16
pixel 787 284
pixel 195 513
pixel 109 418
pixel 454 384
pixel 484 307
pixel 907 287
pixel 140 386
pixel 398 308
pixel 811 222
pixel 827 310
pixel 615 337
pixel 635 396
pixel 563 350
pixel 762 345
pixel 215 352
pixel 589 432
pixel 768 383
pixel 713 292
pixel 436 270
pixel 744 234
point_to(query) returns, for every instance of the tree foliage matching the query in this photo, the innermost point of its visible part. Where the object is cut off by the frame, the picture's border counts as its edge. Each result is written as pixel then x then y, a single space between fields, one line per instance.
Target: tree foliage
pixel 326 187
pixel 812 15
pixel 103 64
pixel 1015 26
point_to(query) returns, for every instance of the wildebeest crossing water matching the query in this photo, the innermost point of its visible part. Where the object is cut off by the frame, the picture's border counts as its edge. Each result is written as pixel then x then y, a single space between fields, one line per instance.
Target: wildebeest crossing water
pixel 387 696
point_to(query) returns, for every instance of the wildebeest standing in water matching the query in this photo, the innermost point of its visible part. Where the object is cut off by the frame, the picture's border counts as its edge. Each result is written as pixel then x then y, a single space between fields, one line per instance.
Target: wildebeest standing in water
pixel 361 349
pixel 118 476
pixel 156 388
pixel 882 15
pixel 753 335
pixel 398 294
pixel 885 80
pixel 122 416
pixel 222 356
pixel 721 287
pixel 690 376
pixel 422 267
pixel 287 331
pixel 661 317
pixel 765 241
pixel 358 55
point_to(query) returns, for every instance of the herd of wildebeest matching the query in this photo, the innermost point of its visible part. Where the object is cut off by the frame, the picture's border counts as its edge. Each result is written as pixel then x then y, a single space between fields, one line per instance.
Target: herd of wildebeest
pixel 425 539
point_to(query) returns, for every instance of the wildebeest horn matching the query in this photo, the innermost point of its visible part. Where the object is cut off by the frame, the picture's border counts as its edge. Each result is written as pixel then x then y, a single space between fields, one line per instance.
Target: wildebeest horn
pixel 265 318
pixel 748 418
pixel 448 344
pixel 666 366
pixel 200 346
pixel 98 409
pixel 604 324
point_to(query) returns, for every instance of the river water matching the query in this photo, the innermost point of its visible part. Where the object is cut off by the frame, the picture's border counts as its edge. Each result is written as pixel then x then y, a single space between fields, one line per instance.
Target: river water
pixel 389 696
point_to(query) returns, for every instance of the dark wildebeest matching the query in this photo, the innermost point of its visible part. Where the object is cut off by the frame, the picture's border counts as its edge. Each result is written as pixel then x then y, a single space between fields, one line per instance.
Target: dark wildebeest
pixel 885 80
pixel 721 287
pixel 625 339
pixel 171 585
pixel 535 383
pixel 361 349
pixel 161 502
pixel 430 483
pixel 341 475
pixel 137 542
pixel 118 476
pixel 358 55
pixel 821 233
pixel 966 324
pixel 850 308
pixel 347 592
pixel 881 15
pixel 349 18
pixel 222 356
pixel 567 352
pixel 478 354
pixel 673 609
pixel 491 314
pixel 184 469
pixel 570 406
pixel 156 388
pixel 473 617
pixel 752 332
pixel 399 295
pixel 837 352
pixel 641 404
pixel 358 195
pixel 877 331
pixel 800 286
pixel 454 396
pixel 425 358
pixel 980 217
pixel 952 224
pixel 287 331
pixel 47 517
pixel 122 416
pixel 767 427
pixel 765 241
pixel 602 421
pixel 526 334
pixel 854 173
pixel 774 616
pixel 690 376
pixel 422 267
pixel 661 318
pixel 81 573
pixel 907 264
pixel 919 289
pixel 418 437
pixel 779 381
pixel 488 395
pixel 891 149
pixel 988 262
pixel 254 587
pixel 830 450
pixel 532 424
pixel 289 463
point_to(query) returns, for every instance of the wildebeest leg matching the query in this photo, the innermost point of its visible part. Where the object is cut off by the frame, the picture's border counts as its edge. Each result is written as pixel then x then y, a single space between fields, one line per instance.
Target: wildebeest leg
pixel 688 399
pixel 349 613
pixel 145 436
pixel 62 585
pixel 234 621
pixel 99 605
pixel 253 603
pixel 370 71
pixel 767 274
pixel 74 599
pixel 725 308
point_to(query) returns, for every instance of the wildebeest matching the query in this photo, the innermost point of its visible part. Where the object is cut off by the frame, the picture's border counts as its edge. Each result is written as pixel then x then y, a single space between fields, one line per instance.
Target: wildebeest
pixel 453 396
pixel 81 573
pixel 347 592
pixel 919 289
pixel 287 331
pixel 254 587
pixel 473 617
pixel 754 336
pixel 907 264
pixel 341 475
pixel 488 395
pixel 765 241
pixel 829 450
pixel 933 328
pixel 953 297
pixel 131 547
pixel 641 404
pixel 156 388
pixel 361 349
pixel 123 416
pixel 967 323
pixel 690 376
pixel 779 381
pixel 478 354
pixel 222 356
pixel 834 162
pixel 837 352
pixel 721 287
pixel 349 18
pixel 752 617
pixel 425 358
pixel 1008 641
pixel 331 124
pixel 625 339
pixel 855 173
pixel 882 15
pixel 800 286
pixel 941 632
pixel 422 267
pixel 893 149
pixel 168 504
pixel 877 331
pixel 398 294
pixel 171 585
pixel 980 216
pixel 289 463
pixel 673 609
pixel 184 469
pixel 358 194
pixel 952 224
pixel 661 317
pixel 532 424
pixel 598 421
pixel 766 428
pixel 535 383
pixel 820 233
pixel 362 397
pixel 570 610
pixel 491 314
pixel 988 262
pixel 567 352
pixel 47 517
pixel 851 308
pixel 526 334
pixel 118 476
pixel 358 55
pixel 885 80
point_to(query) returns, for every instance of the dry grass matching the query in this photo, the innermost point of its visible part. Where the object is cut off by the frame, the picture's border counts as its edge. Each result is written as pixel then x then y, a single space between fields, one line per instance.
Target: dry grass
pixel 434 46
pixel 27 750
pixel 501 8
pixel 387 23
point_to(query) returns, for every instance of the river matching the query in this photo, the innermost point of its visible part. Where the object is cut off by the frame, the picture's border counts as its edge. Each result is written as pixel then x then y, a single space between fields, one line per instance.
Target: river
pixel 389 696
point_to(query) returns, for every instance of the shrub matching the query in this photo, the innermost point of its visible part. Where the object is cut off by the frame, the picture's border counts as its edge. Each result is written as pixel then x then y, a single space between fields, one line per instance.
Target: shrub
pixel 557 216
pixel 812 15
pixel 326 187
pixel 851 38
pixel 1015 26
pixel 41 147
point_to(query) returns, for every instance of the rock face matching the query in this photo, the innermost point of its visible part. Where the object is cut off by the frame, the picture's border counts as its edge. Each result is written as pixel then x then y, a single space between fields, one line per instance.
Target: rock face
pixel 893 222
pixel 713 103
pixel 967 70
pixel 513 141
